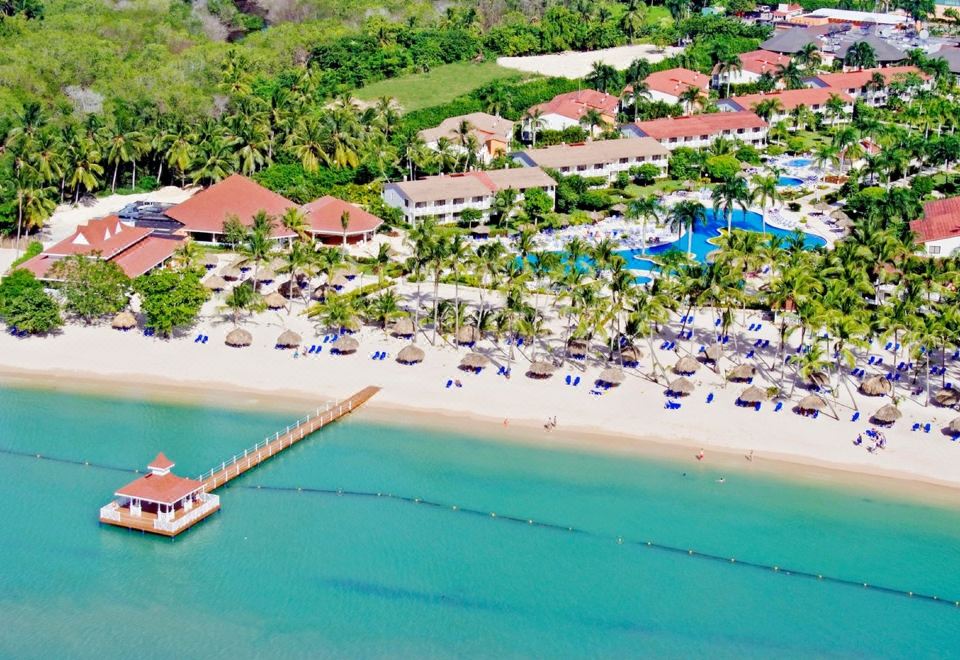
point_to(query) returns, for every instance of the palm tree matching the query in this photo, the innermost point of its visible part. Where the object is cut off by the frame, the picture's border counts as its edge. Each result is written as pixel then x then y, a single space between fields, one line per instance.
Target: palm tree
pixel 728 194
pixel 643 209
pixel 294 220
pixel 790 74
pixel 336 313
pixel 533 121
pixel 243 297
pixel 592 119
pixel 860 56
pixel 765 192
pixel 685 216
pixel 728 65
pixel 602 77
pixel 809 56
pixel 690 98
pixel 768 108
pixel 299 260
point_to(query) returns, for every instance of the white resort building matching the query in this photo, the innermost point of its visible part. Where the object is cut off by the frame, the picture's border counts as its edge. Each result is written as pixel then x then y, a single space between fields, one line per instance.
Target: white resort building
pixel 698 131
pixel 492 134
pixel 598 158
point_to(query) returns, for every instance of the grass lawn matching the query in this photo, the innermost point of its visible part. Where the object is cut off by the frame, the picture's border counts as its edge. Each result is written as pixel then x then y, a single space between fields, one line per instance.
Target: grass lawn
pixel 440 85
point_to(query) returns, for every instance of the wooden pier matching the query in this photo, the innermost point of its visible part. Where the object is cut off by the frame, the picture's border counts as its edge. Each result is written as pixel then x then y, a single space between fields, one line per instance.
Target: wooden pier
pixel 163 503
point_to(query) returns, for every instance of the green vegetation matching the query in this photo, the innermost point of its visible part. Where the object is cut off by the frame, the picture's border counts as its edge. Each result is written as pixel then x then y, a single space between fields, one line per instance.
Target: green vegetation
pixel 170 299
pixel 92 288
pixel 25 306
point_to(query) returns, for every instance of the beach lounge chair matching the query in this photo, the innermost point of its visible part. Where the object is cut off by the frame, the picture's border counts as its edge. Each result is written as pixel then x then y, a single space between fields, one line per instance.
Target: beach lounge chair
pixel 926 427
pixel 449 383
pixel 576 381
pixel 710 398
pixel 855 417
pixel 197 339
pixel 888 346
pixel 567 380
pixel 816 413
pixel 757 407
pixel 916 426
pixel 778 407
pixel 206 338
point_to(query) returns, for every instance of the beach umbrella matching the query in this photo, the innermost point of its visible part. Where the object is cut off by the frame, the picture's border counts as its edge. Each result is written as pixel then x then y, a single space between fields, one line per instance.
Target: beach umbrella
pixel 320 293
pixel 211 260
pixel 742 373
pixel 410 355
pixel 402 328
pixel 752 394
pixel 215 283
pixel 266 275
pixel 277 263
pixel 840 215
pixel 888 414
pixel 611 376
pixel 468 335
pixel 577 348
pixel 540 369
pixel 339 280
pixel 812 402
pixel 232 273
pixel 817 379
pixel 714 352
pixel 345 345
pixel 289 339
pixel 876 386
pixel 239 337
pixel 686 366
pixel 124 321
pixel 289 290
pixel 631 355
pixel 954 426
pixel 822 207
pixel 680 386
pixel 474 361
pixel 947 397
pixel 481 232
pixel 275 301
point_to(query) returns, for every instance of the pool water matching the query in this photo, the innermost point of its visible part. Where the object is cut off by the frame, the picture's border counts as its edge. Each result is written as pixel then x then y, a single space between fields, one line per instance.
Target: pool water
pixel 799 162
pixel 789 181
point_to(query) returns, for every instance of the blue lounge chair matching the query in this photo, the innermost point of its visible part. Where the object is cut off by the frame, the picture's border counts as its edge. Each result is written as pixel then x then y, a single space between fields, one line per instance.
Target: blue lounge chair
pixel 888 346
pixel 449 383
pixel 915 427
pixel 576 381
pixel 710 398
pixel 716 323
pixel 778 407
pixel 312 348
pixel 567 379
pixel 206 338
pixel 926 427
pixel 855 417
pixel 816 413
pixel 757 408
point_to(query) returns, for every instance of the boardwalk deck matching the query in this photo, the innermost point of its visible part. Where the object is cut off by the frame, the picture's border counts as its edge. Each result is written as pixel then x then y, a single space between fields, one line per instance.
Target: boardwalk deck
pixel 270 447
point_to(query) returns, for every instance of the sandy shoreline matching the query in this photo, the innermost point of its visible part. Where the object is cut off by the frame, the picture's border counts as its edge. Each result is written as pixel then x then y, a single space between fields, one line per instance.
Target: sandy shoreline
pixel 721 460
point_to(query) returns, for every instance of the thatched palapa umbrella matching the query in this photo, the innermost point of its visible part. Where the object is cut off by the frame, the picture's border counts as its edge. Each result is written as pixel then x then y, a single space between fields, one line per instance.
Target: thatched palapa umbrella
pixel 239 338
pixel 631 356
pixel 817 379
pixel 468 335
pixel 320 293
pixel 954 426
pixel 876 386
pixel 289 289
pixel 232 274
pixel 947 397
pixel 823 207
pixel 888 414
pixel 686 366
pixel 211 261
pixel 744 372
pixel 577 348
pixel 474 361
pixel 611 376
pixel 410 355
pixel 811 402
pixel 714 352
pixel 402 328
pixel 680 386
pixel 540 369
pixel 215 283
pixel 338 281
pixel 124 321
pixel 275 301
pixel 289 339
pixel 751 395
pixel 266 275
pixel 345 345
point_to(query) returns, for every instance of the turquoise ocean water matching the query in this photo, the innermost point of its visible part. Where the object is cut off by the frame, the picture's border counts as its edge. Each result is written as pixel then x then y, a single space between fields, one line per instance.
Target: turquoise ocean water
pixel 287 573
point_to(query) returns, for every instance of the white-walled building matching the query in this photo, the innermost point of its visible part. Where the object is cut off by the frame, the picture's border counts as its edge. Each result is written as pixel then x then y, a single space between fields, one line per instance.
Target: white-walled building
pixel 752 67
pixel 858 83
pixel 566 110
pixel 670 84
pixel 698 131
pixel 939 228
pixel 446 196
pixel 815 100
pixel 599 158
pixel 492 134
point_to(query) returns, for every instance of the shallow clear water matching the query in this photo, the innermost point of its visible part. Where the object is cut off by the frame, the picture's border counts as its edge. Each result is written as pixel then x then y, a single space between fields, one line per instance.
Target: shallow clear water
pixel 789 181
pixel 799 162
pixel 280 573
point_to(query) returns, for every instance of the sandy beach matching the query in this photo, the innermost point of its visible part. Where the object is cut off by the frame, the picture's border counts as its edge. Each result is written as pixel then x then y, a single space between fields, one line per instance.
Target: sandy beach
pixel 576 64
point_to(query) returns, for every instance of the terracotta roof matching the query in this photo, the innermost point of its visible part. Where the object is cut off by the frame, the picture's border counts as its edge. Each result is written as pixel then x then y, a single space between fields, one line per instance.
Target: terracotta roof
pixel 160 488
pixel 147 254
pixel 574 105
pixel 161 462
pixel 762 61
pixel 520 178
pixel 694 125
pixel 855 79
pixel 789 99
pixel 485 127
pixel 591 153
pixel 471 184
pixel 108 236
pixel 324 217
pixel 236 195
pixel 941 219
pixel 676 81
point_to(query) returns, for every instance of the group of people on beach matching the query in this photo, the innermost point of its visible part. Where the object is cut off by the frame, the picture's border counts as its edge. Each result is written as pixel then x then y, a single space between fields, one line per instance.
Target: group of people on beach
pixel 877 437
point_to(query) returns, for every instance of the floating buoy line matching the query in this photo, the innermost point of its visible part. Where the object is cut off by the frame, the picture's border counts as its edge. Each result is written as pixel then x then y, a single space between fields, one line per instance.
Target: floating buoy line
pixel 529 522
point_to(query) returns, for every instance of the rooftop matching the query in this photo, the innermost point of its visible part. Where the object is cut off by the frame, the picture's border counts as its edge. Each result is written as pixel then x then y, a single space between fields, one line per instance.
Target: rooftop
pixel 883 50
pixel 574 105
pixel 676 81
pixel 234 196
pixel 694 125
pixel 472 184
pixel 485 127
pixel 160 488
pixel 762 61
pixel 789 99
pixel 590 153
pixel 790 41
pixel 941 219
pixel 324 217
pixel 855 79
pixel 860 16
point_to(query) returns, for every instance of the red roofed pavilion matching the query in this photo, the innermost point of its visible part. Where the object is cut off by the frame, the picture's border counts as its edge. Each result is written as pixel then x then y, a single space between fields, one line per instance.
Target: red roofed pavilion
pixel 160 502
pixel 939 228
pixel 325 215
pixel 203 214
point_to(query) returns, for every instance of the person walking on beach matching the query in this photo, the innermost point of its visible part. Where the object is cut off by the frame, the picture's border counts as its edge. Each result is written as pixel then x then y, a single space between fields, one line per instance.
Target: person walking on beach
pixel 700 455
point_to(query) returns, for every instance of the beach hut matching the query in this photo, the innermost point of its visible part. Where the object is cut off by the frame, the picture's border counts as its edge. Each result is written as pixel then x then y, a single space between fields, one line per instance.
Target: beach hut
pixel 483 231
pixel 345 345
pixel 888 414
pixel 611 376
pixel 468 335
pixel 275 301
pixel 947 397
pixel 631 356
pixel 474 362
pixel 215 283
pixel 210 261
pixel 876 386
pixel 289 290
pixel 124 321
pixel 239 338
pixel 686 366
pixel 577 349
pixel 402 328
pixel 680 387
pixel 232 274
pixel 540 369
pixel 714 352
pixel 743 373
pixel 289 339
pixel 811 403
pixel 410 355
pixel 752 396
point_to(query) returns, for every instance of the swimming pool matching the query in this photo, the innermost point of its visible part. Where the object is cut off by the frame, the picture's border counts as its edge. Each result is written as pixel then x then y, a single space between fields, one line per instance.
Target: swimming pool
pixel 799 162
pixel 789 181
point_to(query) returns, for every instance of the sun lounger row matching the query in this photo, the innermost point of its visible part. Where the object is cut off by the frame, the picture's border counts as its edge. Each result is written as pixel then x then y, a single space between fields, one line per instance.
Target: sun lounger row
pixel 201 339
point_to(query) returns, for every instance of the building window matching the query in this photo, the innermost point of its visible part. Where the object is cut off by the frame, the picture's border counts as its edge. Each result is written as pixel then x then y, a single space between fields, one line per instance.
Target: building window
pixel 739 131
pixel 624 161
pixel 458 200
pixel 478 199
pixel 934 249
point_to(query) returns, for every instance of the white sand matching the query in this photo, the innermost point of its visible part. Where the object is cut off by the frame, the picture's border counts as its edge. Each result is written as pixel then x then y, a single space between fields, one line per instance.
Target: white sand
pixel 67 217
pixel 577 64
pixel 620 420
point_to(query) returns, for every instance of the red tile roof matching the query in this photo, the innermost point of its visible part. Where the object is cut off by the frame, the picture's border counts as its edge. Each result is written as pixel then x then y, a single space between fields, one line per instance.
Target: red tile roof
pixel 574 105
pixel 147 254
pixel 161 462
pixel 236 195
pixel 792 98
pixel 762 61
pixel 160 488
pixel 676 81
pixel 855 79
pixel 941 219
pixel 694 125
pixel 324 217
pixel 108 236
